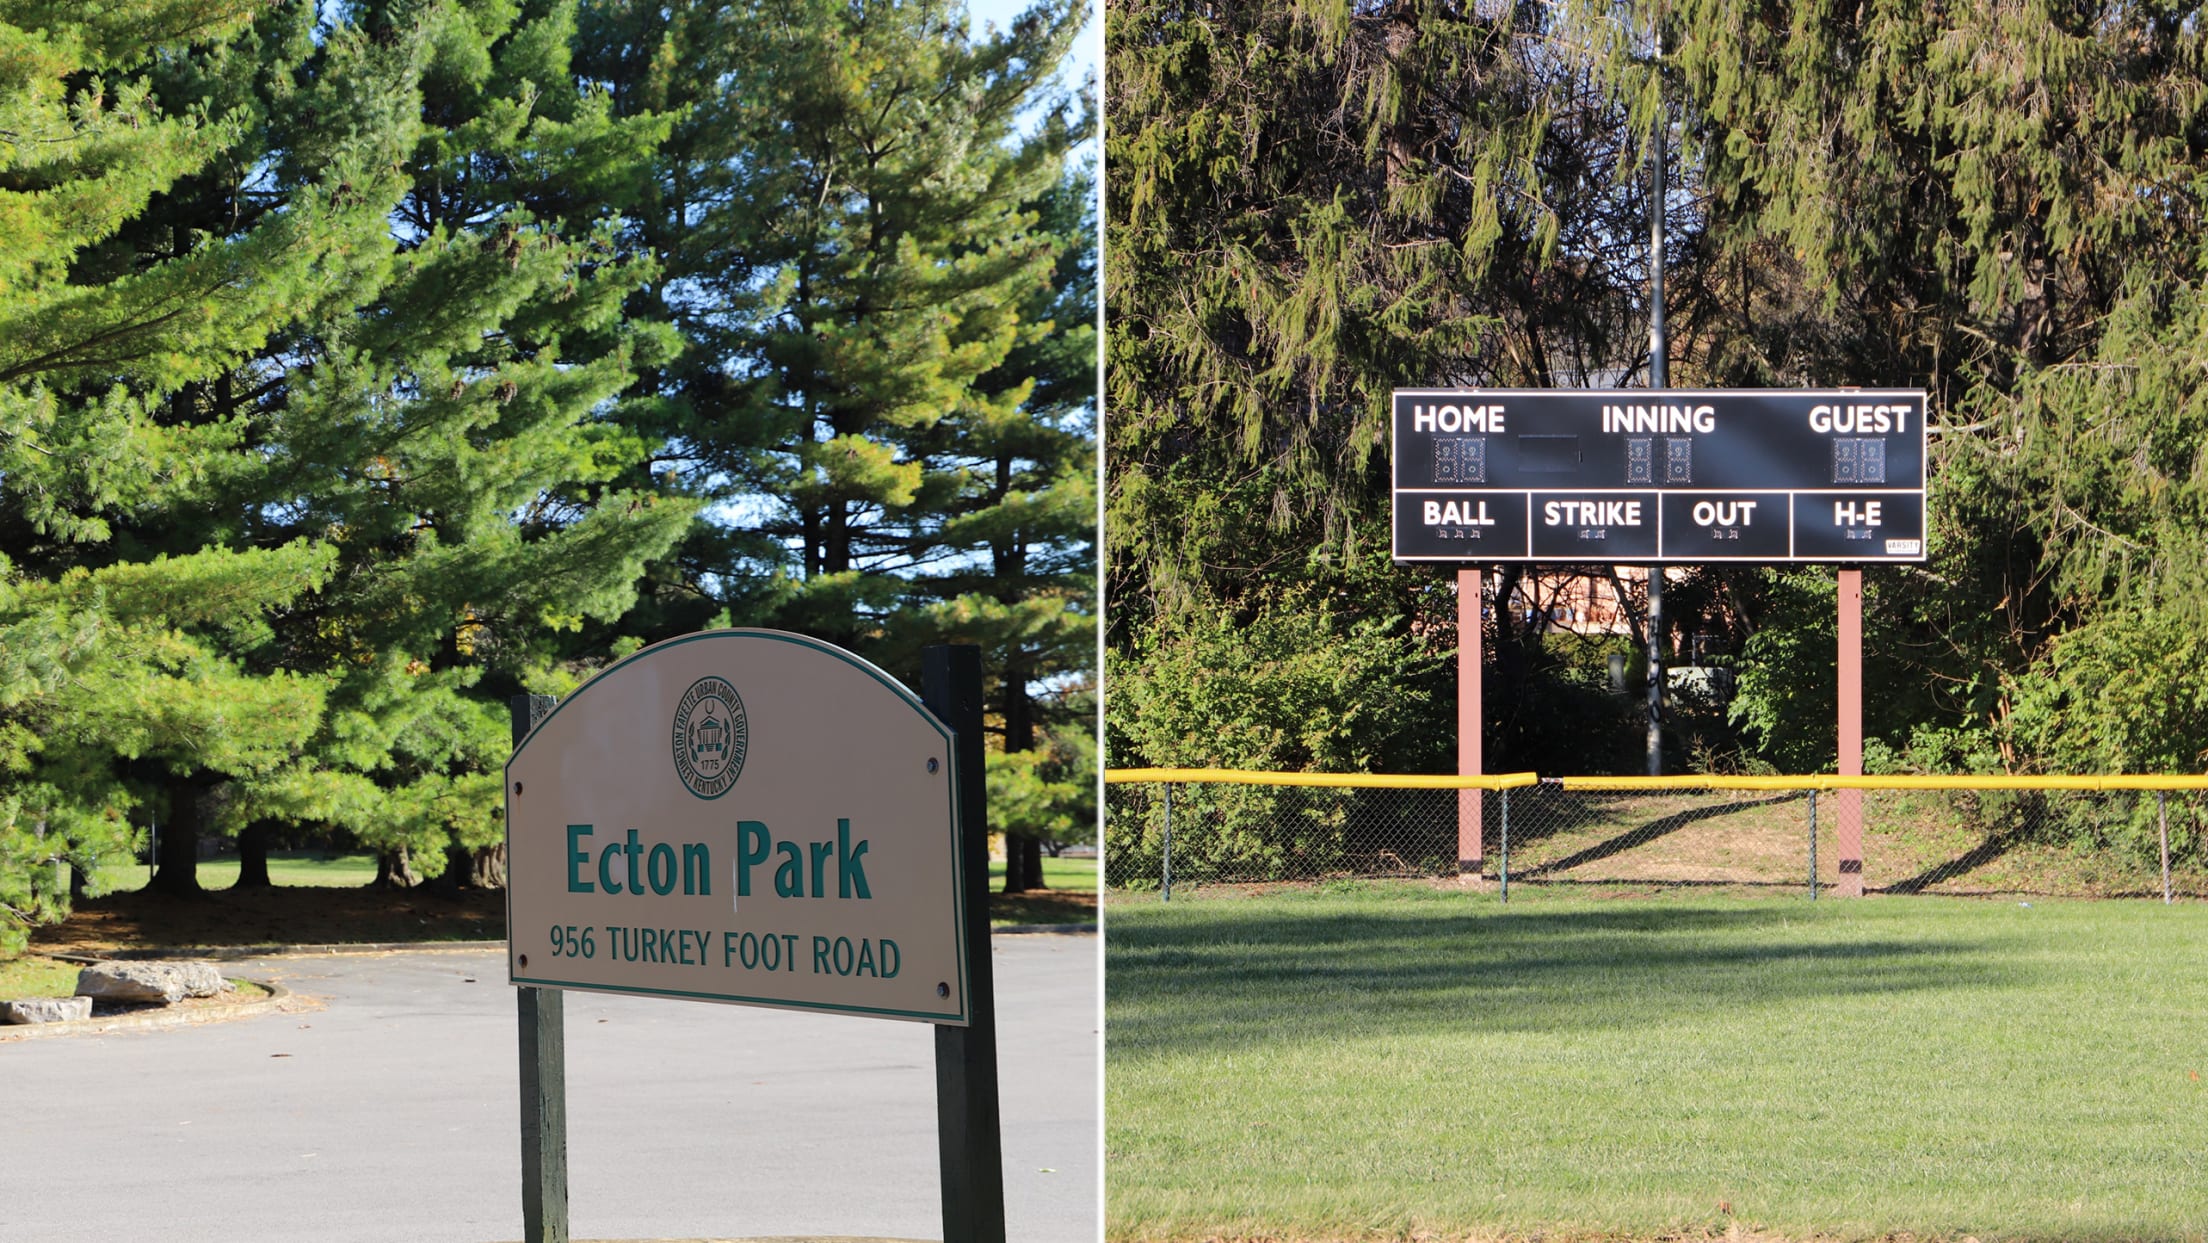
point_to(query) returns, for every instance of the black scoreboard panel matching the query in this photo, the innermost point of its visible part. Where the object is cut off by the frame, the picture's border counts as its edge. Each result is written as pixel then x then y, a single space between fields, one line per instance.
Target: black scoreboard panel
pixel 1642 475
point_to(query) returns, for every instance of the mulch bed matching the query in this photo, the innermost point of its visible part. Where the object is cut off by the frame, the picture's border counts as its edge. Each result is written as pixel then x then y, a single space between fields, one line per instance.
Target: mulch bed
pixel 307 915
pixel 300 915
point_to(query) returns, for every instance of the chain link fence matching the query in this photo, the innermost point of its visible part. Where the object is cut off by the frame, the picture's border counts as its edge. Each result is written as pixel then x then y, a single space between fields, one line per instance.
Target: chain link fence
pixel 1168 830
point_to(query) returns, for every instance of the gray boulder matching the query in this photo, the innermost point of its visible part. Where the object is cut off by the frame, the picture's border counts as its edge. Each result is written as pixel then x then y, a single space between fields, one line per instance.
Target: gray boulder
pixel 45 1009
pixel 162 982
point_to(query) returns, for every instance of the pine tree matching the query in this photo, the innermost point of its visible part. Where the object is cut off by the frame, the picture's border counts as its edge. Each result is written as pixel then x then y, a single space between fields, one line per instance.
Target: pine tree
pixel 881 268
pixel 1309 206
pixel 449 430
pixel 847 215
pixel 121 672
pixel 421 416
pixel 2019 233
pixel 882 190
pixel 1019 545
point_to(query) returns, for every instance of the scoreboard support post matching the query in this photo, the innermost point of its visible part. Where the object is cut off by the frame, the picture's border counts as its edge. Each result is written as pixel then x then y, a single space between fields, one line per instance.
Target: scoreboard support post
pixel 1471 635
pixel 1849 826
pixel 1656 636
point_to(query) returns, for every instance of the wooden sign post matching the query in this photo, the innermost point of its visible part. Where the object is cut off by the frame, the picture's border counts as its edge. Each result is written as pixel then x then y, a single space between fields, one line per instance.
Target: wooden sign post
pixel 968 1130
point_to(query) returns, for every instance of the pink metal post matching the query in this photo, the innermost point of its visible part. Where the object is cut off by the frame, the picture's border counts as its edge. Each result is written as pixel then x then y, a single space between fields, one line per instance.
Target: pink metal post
pixel 1849 803
pixel 1469 637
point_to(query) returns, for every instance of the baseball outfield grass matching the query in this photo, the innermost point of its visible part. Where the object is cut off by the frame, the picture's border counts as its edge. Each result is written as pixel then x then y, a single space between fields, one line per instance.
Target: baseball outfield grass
pixel 1395 1060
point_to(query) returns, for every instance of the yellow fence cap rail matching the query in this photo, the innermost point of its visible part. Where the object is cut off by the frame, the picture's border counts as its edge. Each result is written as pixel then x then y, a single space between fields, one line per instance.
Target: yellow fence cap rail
pixel 1692 781
pixel 1832 781
pixel 1357 781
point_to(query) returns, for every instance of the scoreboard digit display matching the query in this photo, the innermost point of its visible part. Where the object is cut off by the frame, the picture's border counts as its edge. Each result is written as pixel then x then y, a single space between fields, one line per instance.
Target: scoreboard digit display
pixel 1659 475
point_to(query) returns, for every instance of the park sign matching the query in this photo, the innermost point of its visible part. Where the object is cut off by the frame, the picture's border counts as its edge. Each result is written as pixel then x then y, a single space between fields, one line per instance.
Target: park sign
pixel 1659 475
pixel 744 816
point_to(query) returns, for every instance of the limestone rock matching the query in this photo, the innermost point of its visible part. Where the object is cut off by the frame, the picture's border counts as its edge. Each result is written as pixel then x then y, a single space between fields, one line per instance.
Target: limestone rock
pixel 45 1009
pixel 162 982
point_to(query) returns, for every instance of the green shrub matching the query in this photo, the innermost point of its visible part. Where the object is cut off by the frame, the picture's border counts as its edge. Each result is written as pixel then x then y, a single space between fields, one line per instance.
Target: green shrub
pixel 1290 688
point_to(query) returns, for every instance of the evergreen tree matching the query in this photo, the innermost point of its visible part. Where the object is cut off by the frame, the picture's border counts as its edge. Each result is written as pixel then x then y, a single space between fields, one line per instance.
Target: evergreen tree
pixel 882 270
pixel 2002 204
pixel 449 430
pixel 420 421
pixel 1019 545
pixel 121 675
pixel 2019 234
pixel 249 82
pixel 1291 234
pixel 850 227
pixel 1309 206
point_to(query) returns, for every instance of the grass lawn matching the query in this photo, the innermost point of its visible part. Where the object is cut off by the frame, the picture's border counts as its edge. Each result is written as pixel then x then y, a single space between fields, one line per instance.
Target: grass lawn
pixel 285 867
pixel 1072 875
pixel 321 899
pixel 1393 1059
pixel 1068 896
pixel 35 976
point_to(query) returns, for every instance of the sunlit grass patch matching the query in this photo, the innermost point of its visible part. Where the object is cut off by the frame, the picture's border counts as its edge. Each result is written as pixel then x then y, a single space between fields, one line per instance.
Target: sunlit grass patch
pixel 1394 1059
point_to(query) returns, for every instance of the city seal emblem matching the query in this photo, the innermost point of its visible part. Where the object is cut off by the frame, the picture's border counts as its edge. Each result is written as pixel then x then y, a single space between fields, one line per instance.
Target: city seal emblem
pixel 710 736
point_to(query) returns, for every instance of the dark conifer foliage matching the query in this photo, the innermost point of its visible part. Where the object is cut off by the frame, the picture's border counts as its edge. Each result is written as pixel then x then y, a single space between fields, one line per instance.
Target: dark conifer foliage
pixel 880 257
pixel 365 364
pixel 1312 204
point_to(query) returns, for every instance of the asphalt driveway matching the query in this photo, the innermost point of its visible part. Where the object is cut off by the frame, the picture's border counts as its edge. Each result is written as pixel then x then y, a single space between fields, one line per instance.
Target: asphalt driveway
pixel 389 1112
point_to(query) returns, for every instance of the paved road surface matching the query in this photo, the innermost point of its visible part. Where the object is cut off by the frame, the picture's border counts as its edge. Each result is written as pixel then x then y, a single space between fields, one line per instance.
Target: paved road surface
pixel 390 1114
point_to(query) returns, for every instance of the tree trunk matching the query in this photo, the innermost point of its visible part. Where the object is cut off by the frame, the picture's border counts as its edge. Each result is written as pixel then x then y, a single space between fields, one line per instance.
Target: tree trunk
pixel 488 868
pixel 1023 854
pixel 253 857
pixel 1035 863
pixel 459 873
pixel 176 869
pixel 394 870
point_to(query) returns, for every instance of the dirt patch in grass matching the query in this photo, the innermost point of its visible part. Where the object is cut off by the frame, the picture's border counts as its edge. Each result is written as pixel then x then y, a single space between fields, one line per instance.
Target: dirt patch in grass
pixel 241 992
pixel 1957 843
pixel 1729 1233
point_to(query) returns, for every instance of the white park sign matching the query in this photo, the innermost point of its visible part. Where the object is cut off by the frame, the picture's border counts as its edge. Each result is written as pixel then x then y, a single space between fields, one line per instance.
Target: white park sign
pixel 744 816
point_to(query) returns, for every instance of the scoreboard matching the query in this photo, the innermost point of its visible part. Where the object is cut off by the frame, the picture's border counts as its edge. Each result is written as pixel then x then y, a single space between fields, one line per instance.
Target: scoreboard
pixel 1659 475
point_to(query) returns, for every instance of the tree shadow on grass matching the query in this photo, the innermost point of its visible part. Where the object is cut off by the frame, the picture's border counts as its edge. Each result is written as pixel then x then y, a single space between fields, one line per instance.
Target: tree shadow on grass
pixel 1233 977
pixel 1985 852
pixel 1642 835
